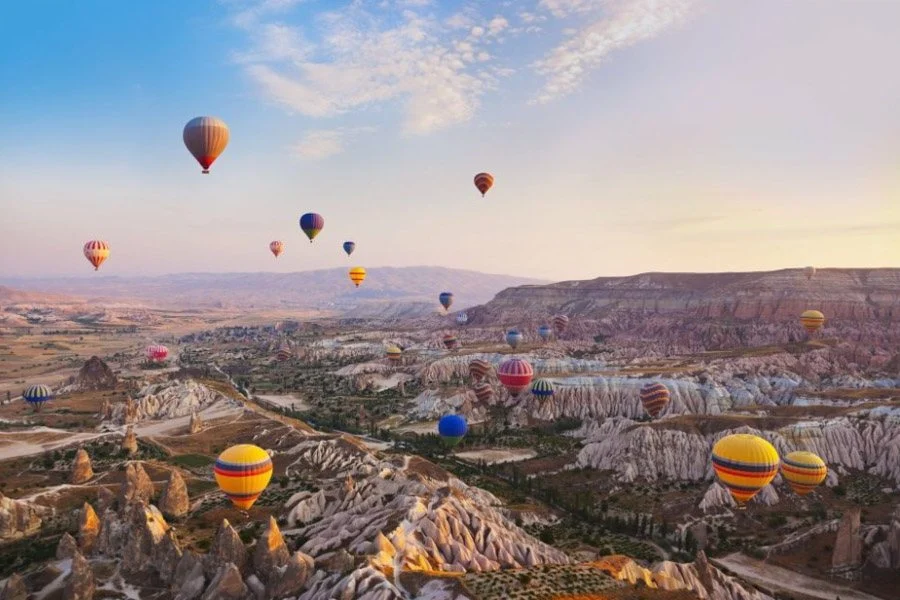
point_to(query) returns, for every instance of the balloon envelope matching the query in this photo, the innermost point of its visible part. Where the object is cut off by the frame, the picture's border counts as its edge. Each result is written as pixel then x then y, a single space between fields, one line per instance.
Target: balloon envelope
pixel 450 341
pixel 545 332
pixel 357 275
pixel 349 247
pixel 446 299
pixel 462 318
pixel 803 471
pixel 513 338
pixel 479 369
pixel 812 320
pixel 96 251
pixel 484 182
pixel 243 472
pixel 654 398
pixel 542 388
pixel 393 353
pixel 560 322
pixel 37 394
pixel 312 224
pixel 452 428
pixel 744 464
pixel 276 247
pixel 157 353
pixel 206 138
pixel 515 374
pixel 484 391
pixel 809 272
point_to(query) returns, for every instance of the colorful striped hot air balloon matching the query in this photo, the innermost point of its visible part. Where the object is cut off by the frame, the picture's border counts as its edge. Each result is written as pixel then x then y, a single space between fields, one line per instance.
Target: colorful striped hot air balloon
pixel 393 353
pixel 276 247
pixel 560 322
pixel 96 251
pixel 450 341
pixel 744 464
pixel 452 429
pixel 349 247
pixel 484 182
pixel 804 471
pixel 157 353
pixel 284 353
pixel 36 395
pixel 205 138
pixel 357 275
pixel 312 224
pixel 462 318
pixel 654 398
pixel 542 388
pixel 812 320
pixel 513 338
pixel 446 299
pixel 515 374
pixel 479 369
pixel 484 392
pixel 243 472
pixel 545 332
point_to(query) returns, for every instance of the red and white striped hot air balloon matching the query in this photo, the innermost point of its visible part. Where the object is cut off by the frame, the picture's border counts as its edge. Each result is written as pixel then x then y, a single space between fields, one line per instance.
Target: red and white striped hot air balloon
pixel 484 182
pixel 479 369
pixel 484 392
pixel 96 251
pixel 206 138
pixel 276 247
pixel 157 353
pixel 515 374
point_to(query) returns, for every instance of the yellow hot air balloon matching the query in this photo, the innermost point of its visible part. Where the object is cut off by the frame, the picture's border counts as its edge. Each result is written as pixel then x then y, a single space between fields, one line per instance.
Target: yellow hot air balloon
pixel 803 471
pixel 357 275
pixel 393 353
pixel 744 464
pixel 812 320
pixel 243 472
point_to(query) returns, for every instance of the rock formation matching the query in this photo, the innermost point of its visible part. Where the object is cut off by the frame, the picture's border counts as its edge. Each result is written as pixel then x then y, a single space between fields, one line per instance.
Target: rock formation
pixel 174 500
pixel 137 485
pixel 282 573
pixel 848 544
pixel 126 412
pixel 105 498
pixel 95 375
pixel 188 580
pixel 886 554
pixel 169 400
pixel 18 518
pixel 15 588
pixel 227 548
pixel 88 529
pixel 80 583
pixel 66 548
pixel 227 585
pixel 129 442
pixel 81 468
pixel 196 425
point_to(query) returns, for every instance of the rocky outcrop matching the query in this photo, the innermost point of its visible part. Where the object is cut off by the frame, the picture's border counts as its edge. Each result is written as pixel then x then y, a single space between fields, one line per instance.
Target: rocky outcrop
pixel 188 580
pixel 145 531
pixel 137 485
pixel 88 528
pixel 848 544
pixel 227 585
pixel 95 375
pixel 80 583
pixel 105 498
pixel 283 574
pixel 886 554
pixel 67 547
pixel 14 589
pixel 196 425
pixel 81 468
pixel 174 500
pixel 169 400
pixel 227 548
pixel 129 442
pixel 18 518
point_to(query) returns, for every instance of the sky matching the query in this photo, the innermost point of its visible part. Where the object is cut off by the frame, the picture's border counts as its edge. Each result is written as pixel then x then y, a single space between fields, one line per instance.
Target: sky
pixel 624 135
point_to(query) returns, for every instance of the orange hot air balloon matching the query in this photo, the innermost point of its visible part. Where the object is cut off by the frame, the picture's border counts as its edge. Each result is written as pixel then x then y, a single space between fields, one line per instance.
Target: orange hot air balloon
pixel 812 321
pixel 276 247
pixel 357 275
pixel 206 138
pixel 484 182
pixel 96 251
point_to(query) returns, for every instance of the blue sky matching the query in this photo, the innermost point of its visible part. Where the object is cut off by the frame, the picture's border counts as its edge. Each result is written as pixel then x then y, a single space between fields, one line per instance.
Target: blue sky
pixel 625 135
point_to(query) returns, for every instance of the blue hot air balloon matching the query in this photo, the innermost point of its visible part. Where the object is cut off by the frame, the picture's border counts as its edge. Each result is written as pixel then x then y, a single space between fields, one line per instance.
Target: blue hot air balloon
pixel 349 247
pixel 513 338
pixel 452 428
pixel 312 224
pixel 446 299
pixel 545 331
pixel 36 395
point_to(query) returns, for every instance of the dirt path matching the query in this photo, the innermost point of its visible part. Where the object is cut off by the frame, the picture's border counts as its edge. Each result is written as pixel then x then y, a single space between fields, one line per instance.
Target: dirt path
pixel 778 579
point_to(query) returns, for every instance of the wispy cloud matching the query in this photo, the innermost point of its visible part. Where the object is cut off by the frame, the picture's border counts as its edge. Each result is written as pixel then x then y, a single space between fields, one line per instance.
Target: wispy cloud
pixel 620 23
pixel 323 143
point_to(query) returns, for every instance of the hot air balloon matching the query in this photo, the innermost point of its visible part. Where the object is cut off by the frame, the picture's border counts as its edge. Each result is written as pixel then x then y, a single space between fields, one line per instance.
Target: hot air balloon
pixel 96 251
pixel 515 374
pixel 484 392
pixel 349 247
pixel 205 138
pixel 545 332
pixel 393 353
pixel 157 353
pixel 479 369
pixel 803 470
pixel 542 388
pixel 357 275
pixel 450 341
pixel 462 318
pixel 744 464
pixel 312 224
pixel 276 247
pixel 36 395
pixel 560 322
pixel 513 338
pixel 446 299
pixel 484 182
pixel 654 398
pixel 809 272
pixel 812 320
pixel 243 472
pixel 452 428
pixel 284 353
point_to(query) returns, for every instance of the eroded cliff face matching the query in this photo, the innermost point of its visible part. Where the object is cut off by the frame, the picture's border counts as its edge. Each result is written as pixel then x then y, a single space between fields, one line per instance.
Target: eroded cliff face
pixel 169 400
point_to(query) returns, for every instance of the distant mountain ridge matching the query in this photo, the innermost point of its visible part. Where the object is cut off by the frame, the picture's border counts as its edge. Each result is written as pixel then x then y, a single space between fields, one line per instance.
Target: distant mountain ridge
pixel 399 291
